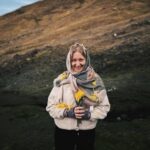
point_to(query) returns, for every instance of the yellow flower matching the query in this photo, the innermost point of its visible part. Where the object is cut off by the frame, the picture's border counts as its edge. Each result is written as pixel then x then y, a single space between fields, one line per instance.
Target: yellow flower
pixel 64 105
pixel 94 83
pixel 63 76
pixel 79 94
pixel 93 97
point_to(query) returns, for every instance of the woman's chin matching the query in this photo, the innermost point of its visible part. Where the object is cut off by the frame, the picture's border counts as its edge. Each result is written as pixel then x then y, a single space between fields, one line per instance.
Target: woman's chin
pixel 77 70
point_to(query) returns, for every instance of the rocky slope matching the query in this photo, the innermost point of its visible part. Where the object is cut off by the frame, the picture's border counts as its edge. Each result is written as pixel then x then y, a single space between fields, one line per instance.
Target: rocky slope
pixel 100 25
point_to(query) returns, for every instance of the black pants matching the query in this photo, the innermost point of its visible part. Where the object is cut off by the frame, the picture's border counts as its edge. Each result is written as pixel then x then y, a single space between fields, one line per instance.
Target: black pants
pixel 74 140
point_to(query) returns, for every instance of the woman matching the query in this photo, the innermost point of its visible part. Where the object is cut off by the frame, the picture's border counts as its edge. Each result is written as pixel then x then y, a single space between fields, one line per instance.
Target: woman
pixel 77 100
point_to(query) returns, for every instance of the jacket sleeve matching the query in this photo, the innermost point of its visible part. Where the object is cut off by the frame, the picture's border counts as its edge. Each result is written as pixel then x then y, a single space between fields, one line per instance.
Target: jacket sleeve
pixel 54 98
pixel 100 111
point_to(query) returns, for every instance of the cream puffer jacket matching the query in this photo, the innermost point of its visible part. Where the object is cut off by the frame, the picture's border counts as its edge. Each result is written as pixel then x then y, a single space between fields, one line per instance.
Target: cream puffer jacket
pixel 65 91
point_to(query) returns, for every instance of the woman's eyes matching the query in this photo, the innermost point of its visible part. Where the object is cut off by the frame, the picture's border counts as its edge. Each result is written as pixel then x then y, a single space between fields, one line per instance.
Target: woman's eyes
pixel 74 60
pixel 81 59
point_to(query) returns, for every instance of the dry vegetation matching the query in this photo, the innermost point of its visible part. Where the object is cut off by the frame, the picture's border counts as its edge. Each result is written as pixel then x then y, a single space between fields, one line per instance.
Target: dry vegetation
pixel 98 24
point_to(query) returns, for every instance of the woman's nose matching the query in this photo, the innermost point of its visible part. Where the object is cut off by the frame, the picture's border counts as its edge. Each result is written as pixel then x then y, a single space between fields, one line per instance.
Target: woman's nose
pixel 78 63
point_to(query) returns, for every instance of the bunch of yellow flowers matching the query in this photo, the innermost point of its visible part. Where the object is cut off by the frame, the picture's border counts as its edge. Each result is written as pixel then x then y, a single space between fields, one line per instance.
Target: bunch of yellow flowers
pixel 80 94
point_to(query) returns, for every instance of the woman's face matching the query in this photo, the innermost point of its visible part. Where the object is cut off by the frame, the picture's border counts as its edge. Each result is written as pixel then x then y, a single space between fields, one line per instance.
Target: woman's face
pixel 78 61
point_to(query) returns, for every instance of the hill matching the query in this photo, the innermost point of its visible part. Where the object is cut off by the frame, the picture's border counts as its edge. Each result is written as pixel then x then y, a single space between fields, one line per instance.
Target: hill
pixel 99 24
pixel 35 40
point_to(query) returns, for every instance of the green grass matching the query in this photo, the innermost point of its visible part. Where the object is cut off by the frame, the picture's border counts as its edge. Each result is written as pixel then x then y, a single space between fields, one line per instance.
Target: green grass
pixel 134 134
pixel 25 127
pixel 30 127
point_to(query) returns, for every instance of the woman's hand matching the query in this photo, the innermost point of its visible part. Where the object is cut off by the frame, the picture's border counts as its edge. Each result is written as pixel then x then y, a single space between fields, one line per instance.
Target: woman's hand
pixel 82 113
pixel 78 112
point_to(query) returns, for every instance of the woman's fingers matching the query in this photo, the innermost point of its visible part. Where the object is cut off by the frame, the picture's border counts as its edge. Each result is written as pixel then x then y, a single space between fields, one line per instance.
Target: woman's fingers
pixel 79 112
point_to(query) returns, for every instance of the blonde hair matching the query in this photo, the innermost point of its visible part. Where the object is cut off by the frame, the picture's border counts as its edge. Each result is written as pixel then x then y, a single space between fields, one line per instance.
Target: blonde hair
pixel 77 48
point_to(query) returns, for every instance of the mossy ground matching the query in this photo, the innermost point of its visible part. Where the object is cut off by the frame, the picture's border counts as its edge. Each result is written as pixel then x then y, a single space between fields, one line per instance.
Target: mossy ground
pixel 26 125
pixel 30 127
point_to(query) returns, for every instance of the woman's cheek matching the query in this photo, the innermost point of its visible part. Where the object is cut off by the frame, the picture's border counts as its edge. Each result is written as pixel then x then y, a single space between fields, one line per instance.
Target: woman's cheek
pixel 73 63
pixel 83 63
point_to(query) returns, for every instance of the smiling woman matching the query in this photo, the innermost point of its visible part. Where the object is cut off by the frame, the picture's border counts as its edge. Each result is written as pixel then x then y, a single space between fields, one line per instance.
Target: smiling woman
pixel 7 6
pixel 76 102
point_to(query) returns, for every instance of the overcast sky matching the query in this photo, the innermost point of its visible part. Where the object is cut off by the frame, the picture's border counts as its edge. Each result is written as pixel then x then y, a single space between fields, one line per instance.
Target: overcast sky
pixel 11 5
